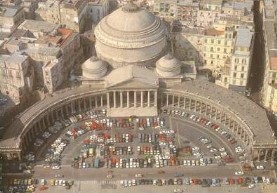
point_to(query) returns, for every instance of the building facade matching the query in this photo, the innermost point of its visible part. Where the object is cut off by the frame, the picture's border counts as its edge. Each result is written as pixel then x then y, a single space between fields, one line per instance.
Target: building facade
pixel 16 76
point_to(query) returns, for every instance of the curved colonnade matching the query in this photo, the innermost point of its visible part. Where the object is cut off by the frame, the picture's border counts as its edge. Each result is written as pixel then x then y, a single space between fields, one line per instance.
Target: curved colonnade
pixel 64 103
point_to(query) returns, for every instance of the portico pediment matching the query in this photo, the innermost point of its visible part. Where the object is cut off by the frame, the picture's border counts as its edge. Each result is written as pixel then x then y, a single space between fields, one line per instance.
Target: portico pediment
pixel 132 77
pixel 134 84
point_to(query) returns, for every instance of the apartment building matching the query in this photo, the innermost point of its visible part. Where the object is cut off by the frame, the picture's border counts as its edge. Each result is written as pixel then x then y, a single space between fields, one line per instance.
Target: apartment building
pixel 70 13
pixel 54 51
pixel 241 60
pixel 269 90
pixel 166 9
pixel 10 18
pixel 16 76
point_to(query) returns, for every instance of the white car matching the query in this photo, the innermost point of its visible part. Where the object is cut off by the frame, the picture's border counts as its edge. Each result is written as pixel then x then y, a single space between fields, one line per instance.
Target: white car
pixel 260 167
pixel 251 186
pixel 178 190
pixel 239 173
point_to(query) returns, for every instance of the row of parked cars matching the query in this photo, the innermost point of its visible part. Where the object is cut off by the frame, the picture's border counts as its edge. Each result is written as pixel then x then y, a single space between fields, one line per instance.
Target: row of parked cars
pixel 53 155
pixel 203 121
pixel 205 182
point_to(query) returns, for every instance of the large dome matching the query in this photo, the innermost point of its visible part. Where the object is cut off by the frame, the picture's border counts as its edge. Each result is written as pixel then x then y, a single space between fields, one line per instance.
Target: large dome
pixel 130 35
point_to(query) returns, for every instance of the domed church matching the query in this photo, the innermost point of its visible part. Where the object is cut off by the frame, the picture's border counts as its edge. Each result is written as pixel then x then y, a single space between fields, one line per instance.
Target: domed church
pixel 132 58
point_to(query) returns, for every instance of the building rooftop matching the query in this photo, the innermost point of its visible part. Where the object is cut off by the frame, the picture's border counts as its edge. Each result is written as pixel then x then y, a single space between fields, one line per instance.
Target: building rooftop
pixel 10 11
pixel 140 73
pixel 214 32
pixel 12 61
pixel 244 37
pixel 273 63
pixel 47 51
pixel 35 26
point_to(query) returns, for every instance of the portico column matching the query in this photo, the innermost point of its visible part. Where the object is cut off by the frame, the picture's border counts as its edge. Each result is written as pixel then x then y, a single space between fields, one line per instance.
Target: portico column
pixel 155 99
pixel 114 99
pixel 135 98
pixel 121 99
pixel 90 103
pixel 148 99
pixel 95 98
pixel 272 157
pixel 101 99
pixel 141 98
pixel 108 100
pixel 178 101
pixel 128 102
pixel 173 97
pixel 166 99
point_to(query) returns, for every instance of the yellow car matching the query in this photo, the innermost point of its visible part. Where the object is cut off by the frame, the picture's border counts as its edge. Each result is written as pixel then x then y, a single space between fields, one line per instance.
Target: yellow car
pixel 52 182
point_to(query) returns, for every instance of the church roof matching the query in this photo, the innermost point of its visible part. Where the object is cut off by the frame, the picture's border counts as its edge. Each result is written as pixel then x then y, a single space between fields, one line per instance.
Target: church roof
pixel 131 72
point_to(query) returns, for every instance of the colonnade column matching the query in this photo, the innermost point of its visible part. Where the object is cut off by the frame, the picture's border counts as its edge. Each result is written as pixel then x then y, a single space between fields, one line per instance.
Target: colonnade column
pixel 148 99
pixel 128 104
pixel 121 99
pixel 141 98
pixel 114 99
pixel 96 103
pixel 173 100
pixel 90 103
pixel 259 152
pixel 108 100
pixel 135 98
pixel 156 98
pixel 266 154
pixel 272 157
pixel 101 99
pixel 72 108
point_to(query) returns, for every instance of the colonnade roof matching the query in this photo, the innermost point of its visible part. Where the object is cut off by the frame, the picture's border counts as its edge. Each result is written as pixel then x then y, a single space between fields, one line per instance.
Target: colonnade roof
pixel 251 113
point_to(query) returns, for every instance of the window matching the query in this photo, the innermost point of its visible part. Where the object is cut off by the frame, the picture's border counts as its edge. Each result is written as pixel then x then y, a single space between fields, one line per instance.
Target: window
pixel 241 75
pixel 236 67
pixel 242 68
pixel 218 49
pixel 212 41
pixel 219 42
pixel 234 75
